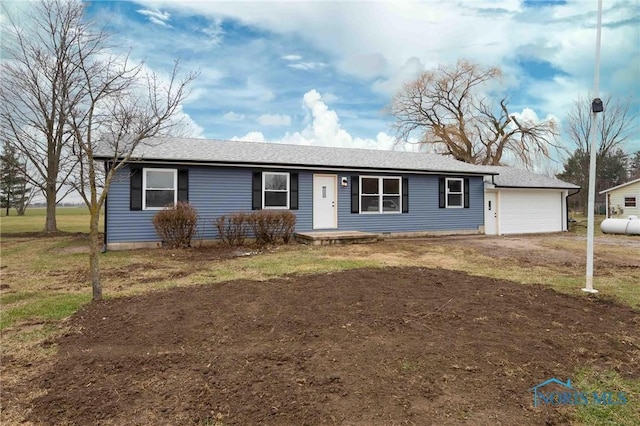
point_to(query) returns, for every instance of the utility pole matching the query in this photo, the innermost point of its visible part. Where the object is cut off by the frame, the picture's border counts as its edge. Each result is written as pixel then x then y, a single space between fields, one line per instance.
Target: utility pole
pixel 596 107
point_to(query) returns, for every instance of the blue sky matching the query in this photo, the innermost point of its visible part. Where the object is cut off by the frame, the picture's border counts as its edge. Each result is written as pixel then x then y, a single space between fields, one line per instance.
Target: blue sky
pixel 322 72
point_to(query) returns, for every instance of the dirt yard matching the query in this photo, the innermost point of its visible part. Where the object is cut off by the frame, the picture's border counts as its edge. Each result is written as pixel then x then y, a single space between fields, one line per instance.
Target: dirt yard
pixel 388 346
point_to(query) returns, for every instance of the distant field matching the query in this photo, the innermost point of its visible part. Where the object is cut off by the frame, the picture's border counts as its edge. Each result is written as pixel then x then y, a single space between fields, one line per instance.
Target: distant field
pixel 70 219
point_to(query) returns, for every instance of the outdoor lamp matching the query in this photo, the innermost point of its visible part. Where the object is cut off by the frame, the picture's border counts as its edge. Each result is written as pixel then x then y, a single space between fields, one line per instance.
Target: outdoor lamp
pixel 597 106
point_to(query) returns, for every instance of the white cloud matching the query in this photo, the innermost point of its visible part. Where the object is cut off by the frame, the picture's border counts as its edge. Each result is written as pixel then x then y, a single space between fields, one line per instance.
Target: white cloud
pixel 324 129
pixel 233 116
pixel 156 17
pixel 291 57
pixel 214 32
pixel 307 66
pixel 376 40
pixel 250 137
pixel 276 120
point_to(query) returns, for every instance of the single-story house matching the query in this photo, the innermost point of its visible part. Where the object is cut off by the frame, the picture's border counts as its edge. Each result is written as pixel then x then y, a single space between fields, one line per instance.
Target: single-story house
pixel 623 200
pixel 340 189
pixel 520 202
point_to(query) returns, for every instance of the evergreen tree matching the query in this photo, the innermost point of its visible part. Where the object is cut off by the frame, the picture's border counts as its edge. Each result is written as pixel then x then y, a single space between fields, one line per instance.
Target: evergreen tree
pixel 14 189
pixel 634 166
pixel 610 171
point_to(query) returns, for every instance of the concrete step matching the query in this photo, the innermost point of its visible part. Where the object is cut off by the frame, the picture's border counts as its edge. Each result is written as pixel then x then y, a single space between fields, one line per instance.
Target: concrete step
pixel 321 238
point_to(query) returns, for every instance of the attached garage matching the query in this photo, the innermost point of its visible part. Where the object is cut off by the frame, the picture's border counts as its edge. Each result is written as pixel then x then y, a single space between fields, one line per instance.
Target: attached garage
pixel 521 202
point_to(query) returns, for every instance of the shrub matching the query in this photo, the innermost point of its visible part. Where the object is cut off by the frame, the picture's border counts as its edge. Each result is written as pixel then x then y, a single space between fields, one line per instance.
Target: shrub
pixel 232 229
pixel 176 225
pixel 271 227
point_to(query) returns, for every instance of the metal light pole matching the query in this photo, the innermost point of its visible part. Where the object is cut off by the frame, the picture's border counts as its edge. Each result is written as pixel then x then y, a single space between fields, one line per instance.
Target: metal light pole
pixel 596 107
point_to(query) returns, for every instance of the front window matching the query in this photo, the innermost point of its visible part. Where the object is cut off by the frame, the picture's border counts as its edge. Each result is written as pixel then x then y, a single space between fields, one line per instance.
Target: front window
pixel 455 192
pixel 629 201
pixel 380 194
pixel 275 190
pixel 160 188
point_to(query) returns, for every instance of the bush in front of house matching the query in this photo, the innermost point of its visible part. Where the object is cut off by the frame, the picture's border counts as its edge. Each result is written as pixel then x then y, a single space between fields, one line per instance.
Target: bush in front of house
pixel 267 226
pixel 176 225
pixel 272 226
pixel 232 229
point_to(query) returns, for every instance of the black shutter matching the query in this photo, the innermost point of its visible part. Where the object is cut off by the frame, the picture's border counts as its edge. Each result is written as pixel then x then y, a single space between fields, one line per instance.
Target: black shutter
pixel 405 195
pixel 135 188
pixel 355 194
pixel 293 191
pixel 256 203
pixel 183 185
pixel 442 193
pixel 466 193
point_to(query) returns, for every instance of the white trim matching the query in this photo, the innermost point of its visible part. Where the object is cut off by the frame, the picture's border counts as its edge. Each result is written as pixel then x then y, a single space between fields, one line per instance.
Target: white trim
pixel 380 194
pixel 446 193
pixel 288 191
pixel 144 187
pixel 620 186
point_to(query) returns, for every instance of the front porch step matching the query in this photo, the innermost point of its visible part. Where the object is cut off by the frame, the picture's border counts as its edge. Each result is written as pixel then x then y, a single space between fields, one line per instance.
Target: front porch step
pixel 321 238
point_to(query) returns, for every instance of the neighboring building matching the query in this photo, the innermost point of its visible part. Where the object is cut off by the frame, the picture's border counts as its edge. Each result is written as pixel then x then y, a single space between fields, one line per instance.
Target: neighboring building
pixel 623 200
pixel 387 192
pixel 520 202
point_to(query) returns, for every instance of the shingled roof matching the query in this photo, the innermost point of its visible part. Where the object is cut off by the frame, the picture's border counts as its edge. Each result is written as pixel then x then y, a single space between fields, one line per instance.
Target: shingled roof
pixel 510 177
pixel 208 151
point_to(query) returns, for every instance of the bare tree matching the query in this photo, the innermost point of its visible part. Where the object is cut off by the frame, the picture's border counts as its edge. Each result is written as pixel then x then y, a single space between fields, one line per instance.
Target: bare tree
pixel 94 100
pixel 445 108
pixel 615 126
pixel 38 82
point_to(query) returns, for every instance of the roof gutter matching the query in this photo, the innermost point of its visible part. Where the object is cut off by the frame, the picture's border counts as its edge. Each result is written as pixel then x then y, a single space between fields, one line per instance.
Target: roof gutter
pixel 299 166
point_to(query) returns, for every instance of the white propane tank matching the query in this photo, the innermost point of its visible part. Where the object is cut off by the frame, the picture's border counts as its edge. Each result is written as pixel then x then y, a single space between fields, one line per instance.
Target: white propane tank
pixel 629 226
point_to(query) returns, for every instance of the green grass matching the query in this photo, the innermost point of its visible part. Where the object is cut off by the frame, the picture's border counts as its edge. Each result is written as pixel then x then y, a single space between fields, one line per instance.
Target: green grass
pixel 589 381
pixel 41 307
pixel 580 226
pixel 69 219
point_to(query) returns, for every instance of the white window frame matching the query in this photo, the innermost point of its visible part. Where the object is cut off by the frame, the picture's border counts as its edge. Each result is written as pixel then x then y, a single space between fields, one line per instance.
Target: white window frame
pixel 381 194
pixel 447 192
pixel 288 191
pixel 144 187
pixel 635 202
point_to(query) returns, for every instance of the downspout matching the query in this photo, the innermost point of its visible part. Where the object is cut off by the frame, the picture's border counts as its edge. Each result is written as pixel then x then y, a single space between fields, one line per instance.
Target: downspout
pixel 106 204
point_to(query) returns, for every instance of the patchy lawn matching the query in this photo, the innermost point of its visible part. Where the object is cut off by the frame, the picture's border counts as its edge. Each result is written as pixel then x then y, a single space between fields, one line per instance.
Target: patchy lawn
pixel 369 346
pixel 44 280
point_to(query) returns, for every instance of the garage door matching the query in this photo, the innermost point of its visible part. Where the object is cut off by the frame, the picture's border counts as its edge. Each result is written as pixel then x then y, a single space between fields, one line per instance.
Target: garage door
pixel 528 211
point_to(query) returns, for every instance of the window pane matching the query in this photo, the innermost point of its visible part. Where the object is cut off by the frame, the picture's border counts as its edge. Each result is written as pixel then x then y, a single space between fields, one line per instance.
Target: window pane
pixel 629 201
pixel 454 200
pixel 159 179
pixel 391 204
pixel 369 203
pixel 275 199
pixel 159 198
pixel 454 185
pixel 370 186
pixel 391 186
pixel 275 182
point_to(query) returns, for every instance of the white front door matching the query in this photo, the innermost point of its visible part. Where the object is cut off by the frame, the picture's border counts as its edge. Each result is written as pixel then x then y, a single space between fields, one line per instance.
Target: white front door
pixel 490 213
pixel 325 203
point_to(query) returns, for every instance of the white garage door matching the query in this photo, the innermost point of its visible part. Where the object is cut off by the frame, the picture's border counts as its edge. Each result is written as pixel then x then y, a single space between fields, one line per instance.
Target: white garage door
pixel 527 211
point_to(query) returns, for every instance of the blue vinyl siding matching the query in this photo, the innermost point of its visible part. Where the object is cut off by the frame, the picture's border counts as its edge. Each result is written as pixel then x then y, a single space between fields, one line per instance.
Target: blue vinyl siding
pixel 215 191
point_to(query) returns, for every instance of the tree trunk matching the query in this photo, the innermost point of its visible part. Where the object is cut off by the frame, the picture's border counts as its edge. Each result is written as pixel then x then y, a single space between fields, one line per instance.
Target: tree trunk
pixel 94 254
pixel 50 224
